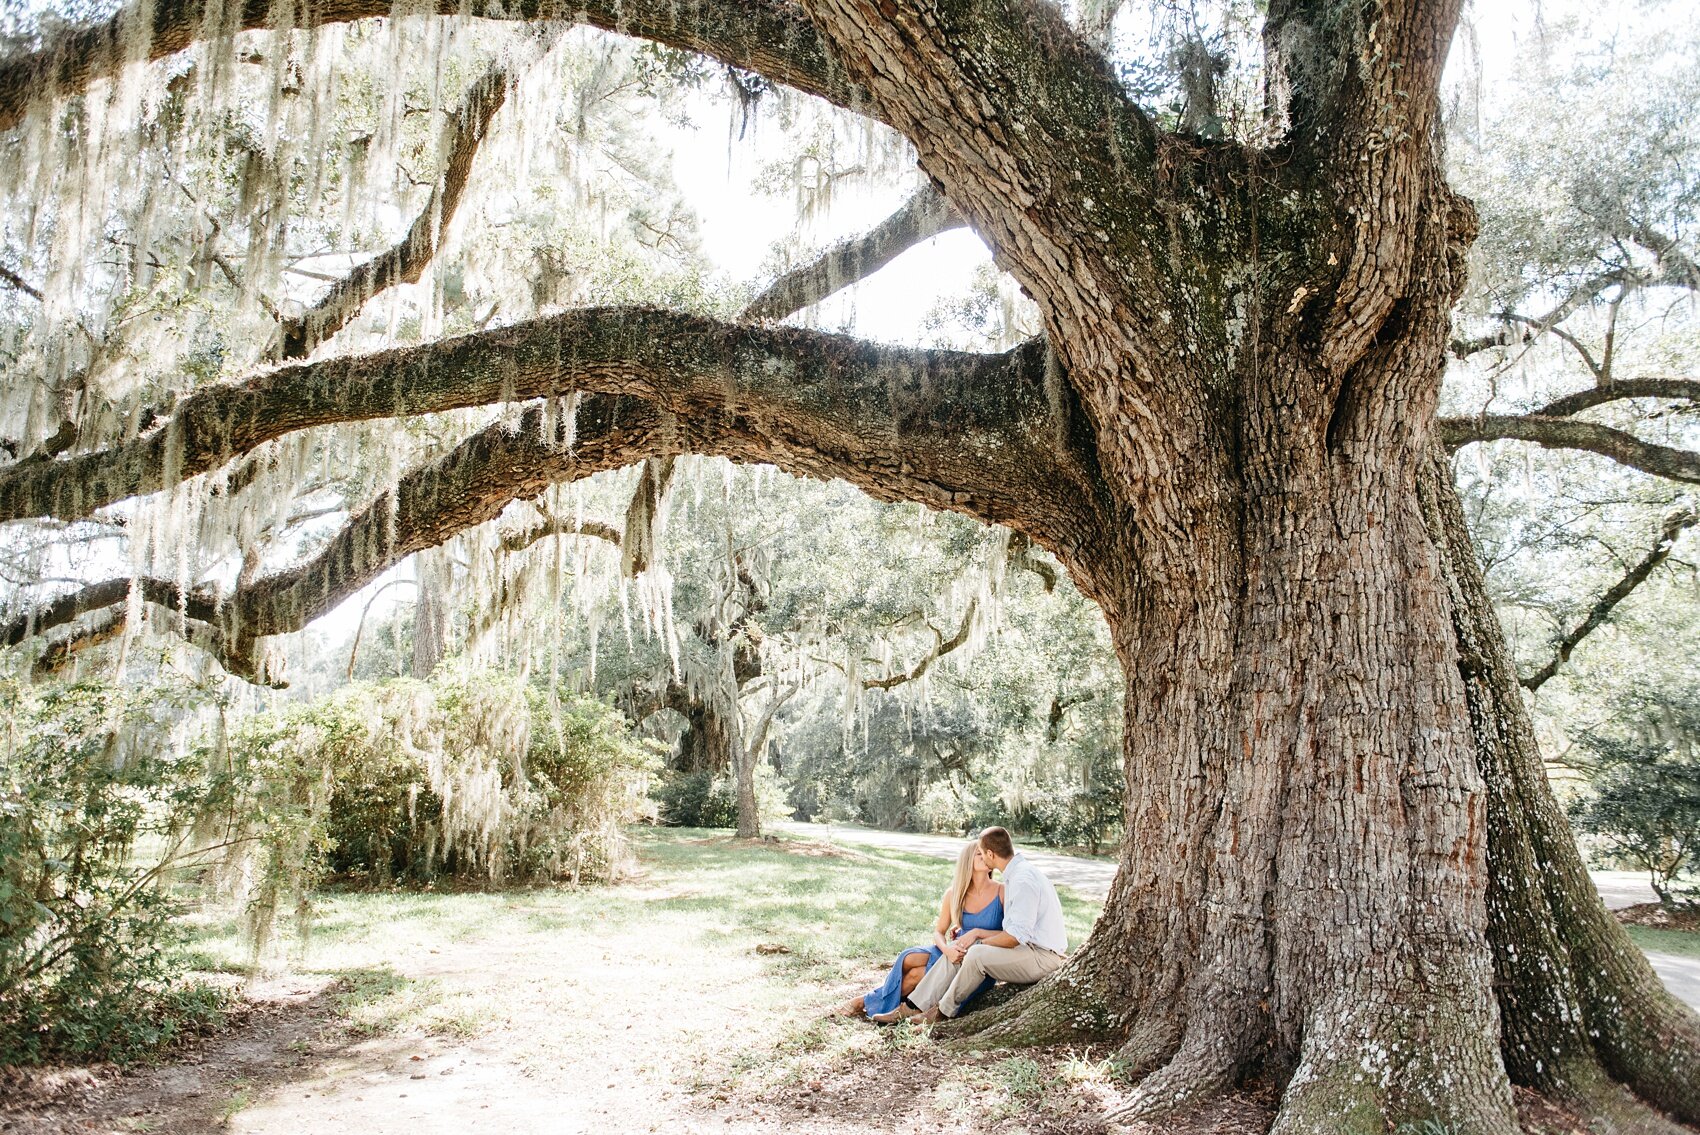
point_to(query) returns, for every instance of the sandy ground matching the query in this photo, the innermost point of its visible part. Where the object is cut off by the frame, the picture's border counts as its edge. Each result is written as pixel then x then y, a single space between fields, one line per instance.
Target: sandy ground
pixel 604 1030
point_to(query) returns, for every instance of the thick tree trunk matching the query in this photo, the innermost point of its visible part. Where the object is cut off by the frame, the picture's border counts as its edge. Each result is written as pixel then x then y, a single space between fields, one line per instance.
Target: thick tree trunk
pixel 1302 893
pixel 1581 1010
pixel 430 612
pixel 1344 868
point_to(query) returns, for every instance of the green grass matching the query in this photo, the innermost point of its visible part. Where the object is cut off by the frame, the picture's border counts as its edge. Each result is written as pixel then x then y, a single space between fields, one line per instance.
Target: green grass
pixel 1683 943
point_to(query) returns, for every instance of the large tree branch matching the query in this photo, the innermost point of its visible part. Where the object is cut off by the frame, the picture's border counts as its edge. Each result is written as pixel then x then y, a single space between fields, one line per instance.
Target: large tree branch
pixel 771 37
pixel 955 466
pixel 1567 433
pixel 406 260
pixel 465 488
pixel 993 95
pixel 1674 526
pixel 1086 203
pixel 922 217
pixel 1679 388
pixel 196 605
pixel 854 394
pixel 1360 84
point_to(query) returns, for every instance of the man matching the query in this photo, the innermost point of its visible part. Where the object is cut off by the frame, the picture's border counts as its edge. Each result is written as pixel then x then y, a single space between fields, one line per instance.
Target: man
pixel 1030 945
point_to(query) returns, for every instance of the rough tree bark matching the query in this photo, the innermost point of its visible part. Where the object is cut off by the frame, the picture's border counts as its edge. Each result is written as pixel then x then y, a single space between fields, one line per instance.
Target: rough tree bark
pixel 1583 1015
pixel 1222 440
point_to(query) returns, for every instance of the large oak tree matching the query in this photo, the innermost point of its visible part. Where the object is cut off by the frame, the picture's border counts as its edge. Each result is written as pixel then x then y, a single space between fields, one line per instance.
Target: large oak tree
pixel 1344 870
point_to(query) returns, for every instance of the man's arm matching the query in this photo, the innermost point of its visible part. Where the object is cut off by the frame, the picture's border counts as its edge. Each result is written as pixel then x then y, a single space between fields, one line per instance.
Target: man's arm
pixel 998 938
pixel 1020 912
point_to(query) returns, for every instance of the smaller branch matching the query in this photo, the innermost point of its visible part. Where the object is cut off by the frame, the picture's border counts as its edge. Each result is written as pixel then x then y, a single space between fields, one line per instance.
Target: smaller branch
pixel 1608 352
pixel 360 627
pixel 60 651
pixel 944 647
pixel 97 596
pixel 1059 706
pixel 1021 558
pixel 518 541
pixel 1684 388
pixel 18 282
pixel 406 260
pixel 758 736
pixel 1675 524
pixel 1567 433
pixel 922 217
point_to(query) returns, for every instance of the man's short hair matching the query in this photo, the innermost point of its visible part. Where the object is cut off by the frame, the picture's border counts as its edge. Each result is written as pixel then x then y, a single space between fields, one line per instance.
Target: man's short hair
pixel 997 841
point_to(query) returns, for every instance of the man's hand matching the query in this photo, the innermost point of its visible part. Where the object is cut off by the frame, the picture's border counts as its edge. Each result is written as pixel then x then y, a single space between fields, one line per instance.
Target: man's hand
pixel 953 953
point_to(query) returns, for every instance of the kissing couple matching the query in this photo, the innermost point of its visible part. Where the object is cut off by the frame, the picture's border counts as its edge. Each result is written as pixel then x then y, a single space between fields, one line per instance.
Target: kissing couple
pixel 986 932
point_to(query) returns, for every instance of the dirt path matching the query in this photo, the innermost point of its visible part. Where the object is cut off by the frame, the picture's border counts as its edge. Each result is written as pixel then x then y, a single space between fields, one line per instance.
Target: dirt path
pixel 608 1025
pixel 642 1008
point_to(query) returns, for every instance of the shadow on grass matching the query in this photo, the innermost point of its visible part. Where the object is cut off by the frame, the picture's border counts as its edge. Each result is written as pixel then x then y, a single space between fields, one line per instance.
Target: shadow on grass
pixel 200 1087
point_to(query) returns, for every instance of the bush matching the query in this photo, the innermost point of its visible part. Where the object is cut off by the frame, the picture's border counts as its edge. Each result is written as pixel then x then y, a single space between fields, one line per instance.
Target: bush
pixel 697 800
pixel 89 966
pixel 1644 809
pixel 474 777
pixel 705 800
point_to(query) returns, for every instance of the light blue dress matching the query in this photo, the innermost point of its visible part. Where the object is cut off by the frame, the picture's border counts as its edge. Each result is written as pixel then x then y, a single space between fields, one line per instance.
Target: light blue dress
pixel 890 994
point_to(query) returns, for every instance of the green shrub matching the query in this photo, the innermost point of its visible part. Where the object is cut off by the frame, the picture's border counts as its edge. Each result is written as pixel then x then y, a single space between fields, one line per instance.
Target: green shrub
pixel 697 800
pixel 470 776
pixel 1644 810
pixel 88 960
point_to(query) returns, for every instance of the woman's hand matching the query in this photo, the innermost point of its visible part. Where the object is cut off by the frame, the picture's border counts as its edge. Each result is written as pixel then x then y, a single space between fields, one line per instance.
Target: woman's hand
pixel 953 953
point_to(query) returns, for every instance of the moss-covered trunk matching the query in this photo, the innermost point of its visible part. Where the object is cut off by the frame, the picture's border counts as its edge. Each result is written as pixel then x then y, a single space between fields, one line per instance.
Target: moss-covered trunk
pixel 1584 1016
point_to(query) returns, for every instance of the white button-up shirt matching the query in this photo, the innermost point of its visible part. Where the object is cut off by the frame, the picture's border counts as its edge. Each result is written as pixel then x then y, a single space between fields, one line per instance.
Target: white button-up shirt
pixel 1032 914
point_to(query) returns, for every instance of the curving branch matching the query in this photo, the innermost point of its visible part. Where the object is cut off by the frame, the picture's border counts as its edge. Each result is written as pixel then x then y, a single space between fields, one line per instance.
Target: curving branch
pixel 1674 270
pixel 406 260
pixel 1675 524
pixel 1579 297
pixel 684 363
pixel 520 540
pixel 16 282
pixel 846 416
pixel 1620 390
pixel 771 37
pixel 1567 433
pixel 464 488
pixel 1021 558
pixel 197 605
pixel 922 217
pixel 941 648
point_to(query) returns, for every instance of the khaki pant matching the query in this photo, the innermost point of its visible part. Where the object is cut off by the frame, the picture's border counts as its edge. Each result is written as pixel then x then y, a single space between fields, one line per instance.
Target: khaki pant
pixel 946 985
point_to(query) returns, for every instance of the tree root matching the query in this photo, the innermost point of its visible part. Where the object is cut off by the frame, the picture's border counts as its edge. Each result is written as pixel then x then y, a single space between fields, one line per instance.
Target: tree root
pixel 1651 1043
pixel 1591 1091
pixel 1198 1073
pixel 1396 1063
pixel 1059 1010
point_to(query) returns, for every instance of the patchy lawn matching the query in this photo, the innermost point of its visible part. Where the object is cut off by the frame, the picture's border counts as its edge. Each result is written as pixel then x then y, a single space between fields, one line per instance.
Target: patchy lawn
pixel 694 992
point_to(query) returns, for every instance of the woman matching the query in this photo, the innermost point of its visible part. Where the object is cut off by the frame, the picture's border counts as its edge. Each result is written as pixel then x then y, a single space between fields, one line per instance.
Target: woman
pixel 972 903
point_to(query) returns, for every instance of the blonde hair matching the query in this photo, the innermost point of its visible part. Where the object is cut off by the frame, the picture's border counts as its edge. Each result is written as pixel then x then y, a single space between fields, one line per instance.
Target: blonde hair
pixel 962 882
